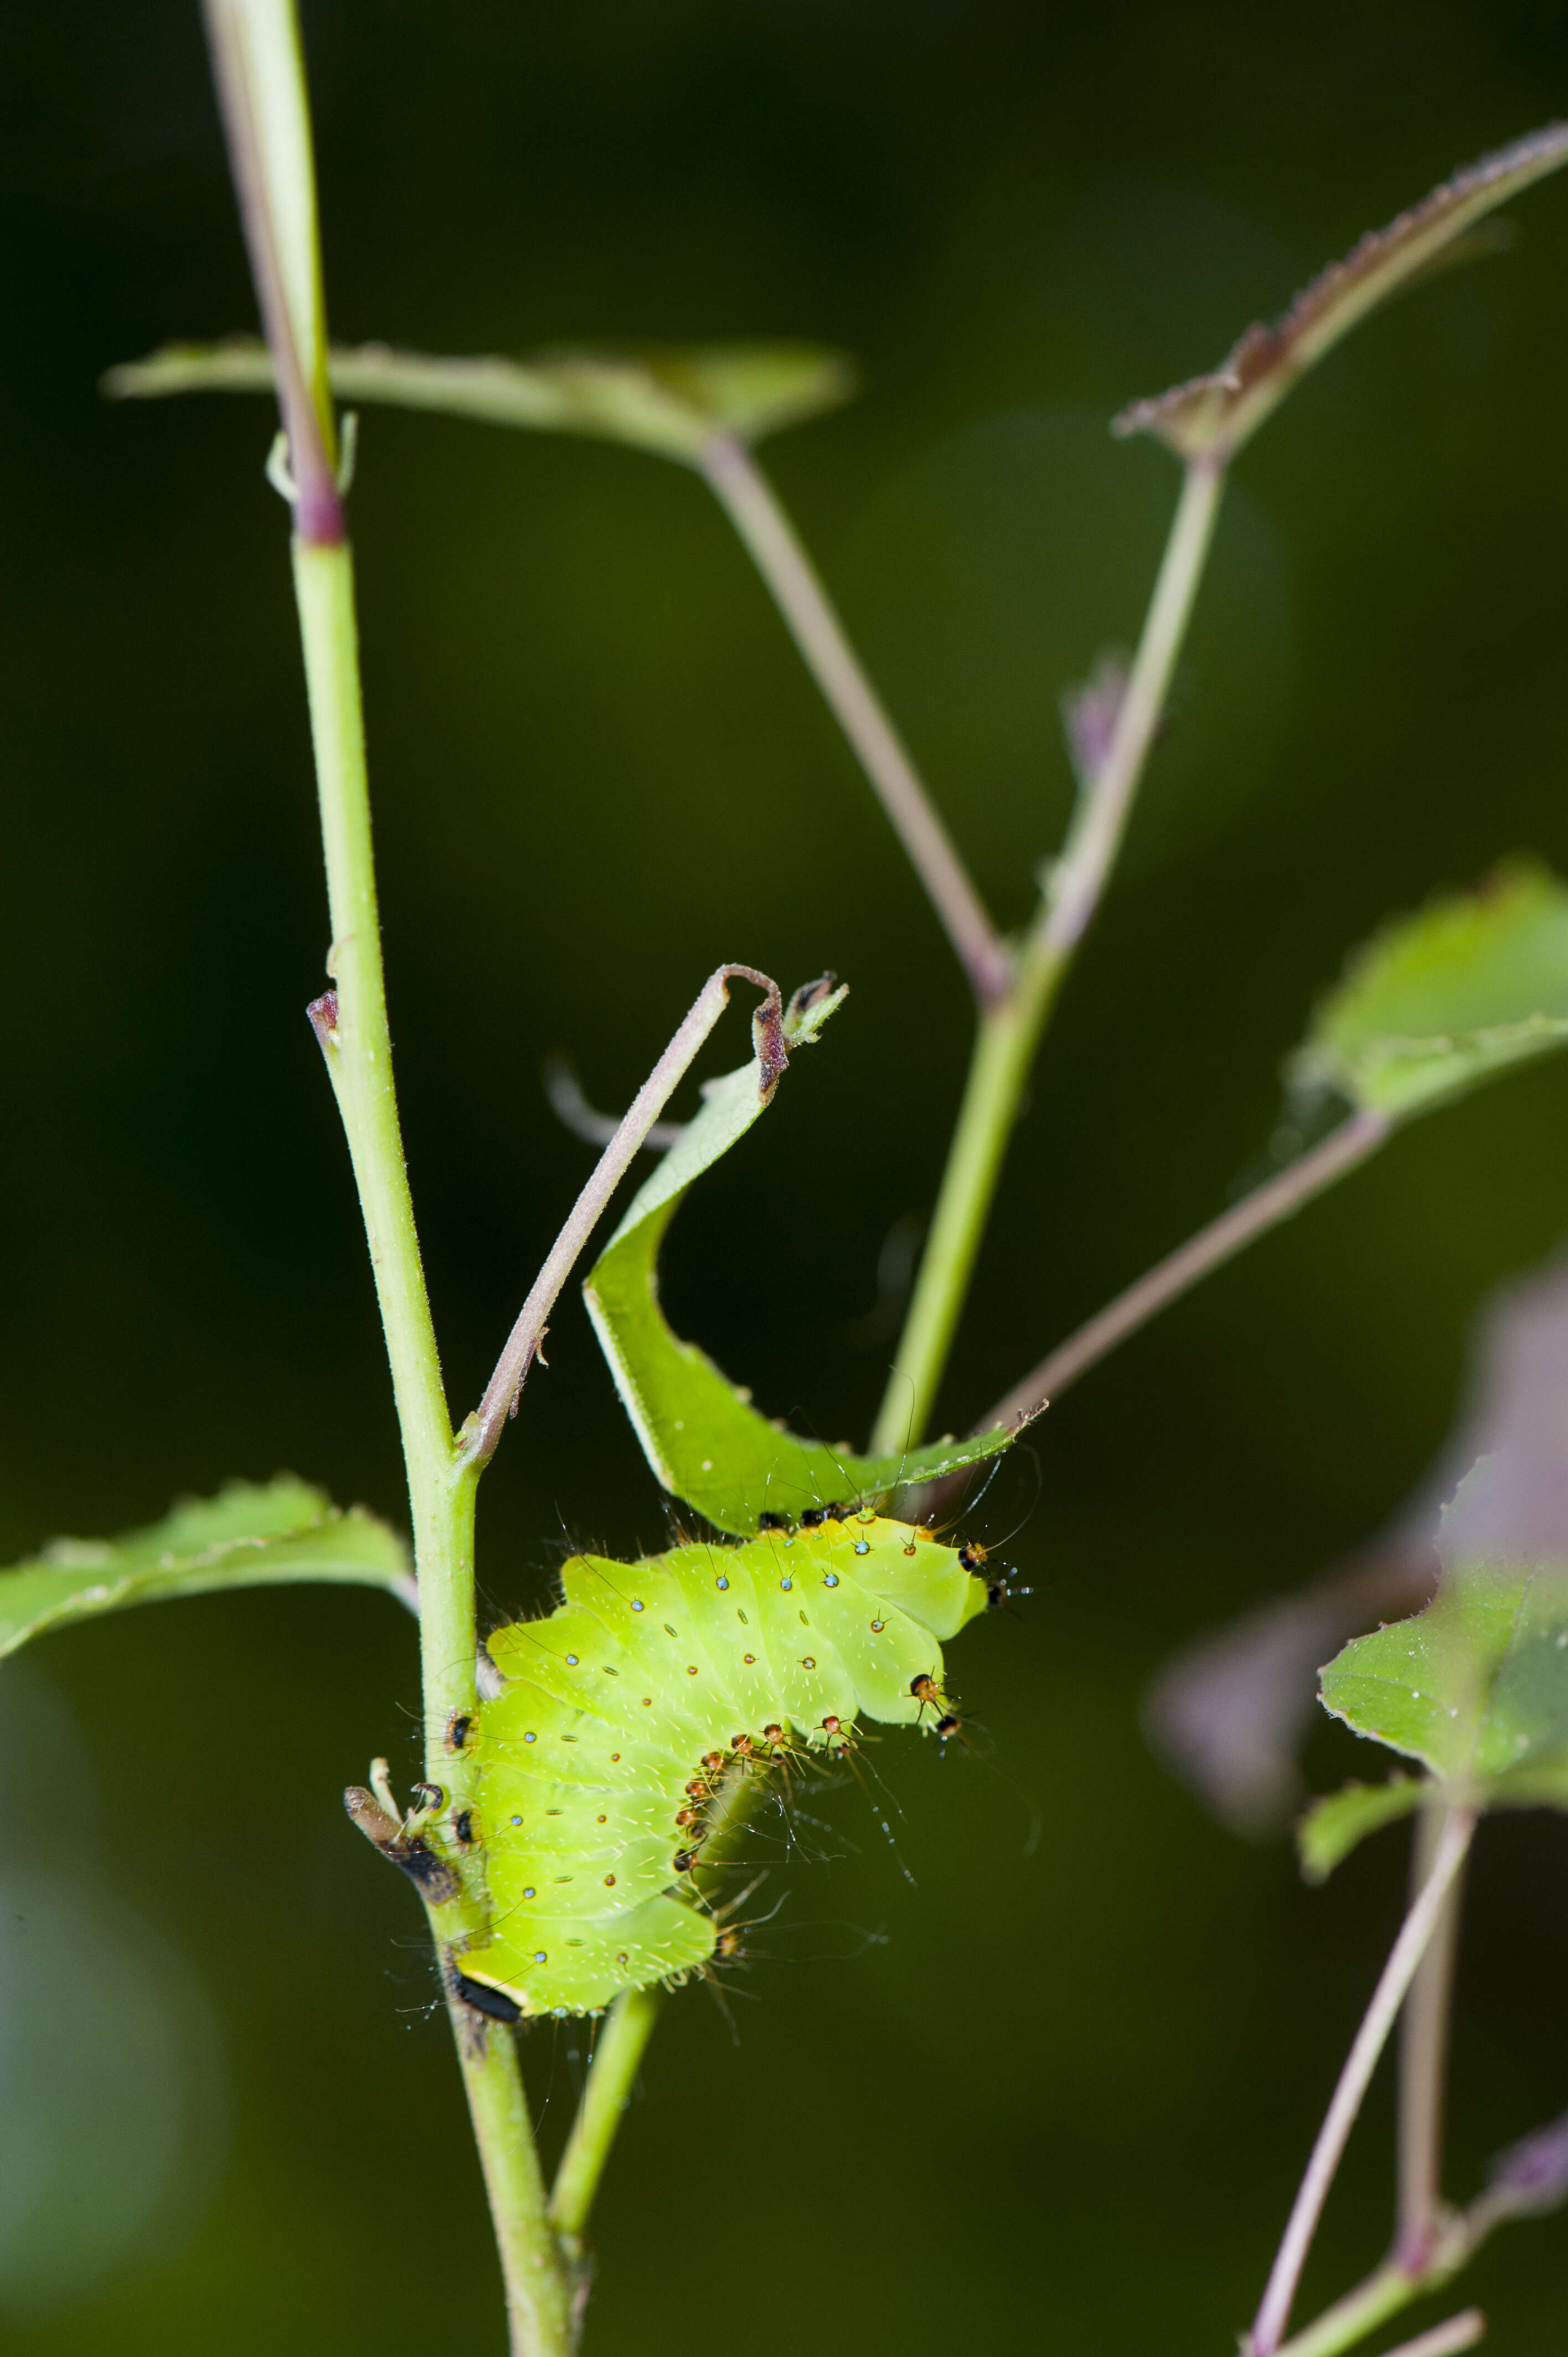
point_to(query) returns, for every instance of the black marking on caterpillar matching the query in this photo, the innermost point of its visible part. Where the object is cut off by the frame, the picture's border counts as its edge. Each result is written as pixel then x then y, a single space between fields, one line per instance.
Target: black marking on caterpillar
pixel 595 1790
pixel 484 1999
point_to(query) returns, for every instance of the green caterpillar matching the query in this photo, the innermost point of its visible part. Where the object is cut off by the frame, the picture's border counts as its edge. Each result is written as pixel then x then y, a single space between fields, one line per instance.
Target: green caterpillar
pixel 625 1709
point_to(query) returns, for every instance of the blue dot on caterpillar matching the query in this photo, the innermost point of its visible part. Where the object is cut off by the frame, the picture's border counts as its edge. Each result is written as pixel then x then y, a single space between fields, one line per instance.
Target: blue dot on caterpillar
pixel 625 1710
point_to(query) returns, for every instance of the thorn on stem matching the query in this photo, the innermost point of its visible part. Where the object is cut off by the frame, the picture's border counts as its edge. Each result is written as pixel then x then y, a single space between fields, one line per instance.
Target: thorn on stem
pixel 323 1015
pixel 535 1350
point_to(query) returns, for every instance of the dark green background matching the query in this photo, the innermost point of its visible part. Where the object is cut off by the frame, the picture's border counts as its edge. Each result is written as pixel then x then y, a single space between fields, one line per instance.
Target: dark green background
pixel 1063 2105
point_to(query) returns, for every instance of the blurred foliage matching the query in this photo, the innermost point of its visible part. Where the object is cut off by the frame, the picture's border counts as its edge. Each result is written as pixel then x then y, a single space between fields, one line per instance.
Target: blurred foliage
pixel 1016 218
pixel 1435 1003
pixel 669 402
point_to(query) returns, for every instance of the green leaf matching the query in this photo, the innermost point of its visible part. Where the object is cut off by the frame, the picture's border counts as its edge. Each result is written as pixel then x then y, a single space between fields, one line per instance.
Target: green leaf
pixel 674 401
pixel 1332 1827
pixel 1477 1685
pixel 699 1433
pixel 247 1537
pixel 1213 416
pixel 1440 1001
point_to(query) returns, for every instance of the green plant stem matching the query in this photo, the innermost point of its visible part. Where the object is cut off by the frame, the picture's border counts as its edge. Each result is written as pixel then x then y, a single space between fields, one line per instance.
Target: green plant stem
pixel 1386 2291
pixel 617 2057
pixel 1004 1048
pixel 352 1024
pixel 1274 2311
pixel 1010 1026
pixel 358 1046
pixel 1423 2058
pixel 259 71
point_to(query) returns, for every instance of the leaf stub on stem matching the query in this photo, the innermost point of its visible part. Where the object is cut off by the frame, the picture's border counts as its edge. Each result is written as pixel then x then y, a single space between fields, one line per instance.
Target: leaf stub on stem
pixel 436 1882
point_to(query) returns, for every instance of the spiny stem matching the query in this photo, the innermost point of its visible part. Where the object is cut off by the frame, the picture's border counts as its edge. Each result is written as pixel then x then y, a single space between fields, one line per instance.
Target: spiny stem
pixel 774 548
pixel 1273 2312
pixel 483 1430
pixel 1423 2060
pixel 1010 1026
pixel 1279 1198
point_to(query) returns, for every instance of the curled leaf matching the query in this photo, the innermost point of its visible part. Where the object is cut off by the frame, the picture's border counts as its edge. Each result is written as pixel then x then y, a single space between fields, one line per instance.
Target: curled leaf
pixel 1440 1001
pixel 673 401
pixel 700 1434
pixel 1213 416
pixel 248 1536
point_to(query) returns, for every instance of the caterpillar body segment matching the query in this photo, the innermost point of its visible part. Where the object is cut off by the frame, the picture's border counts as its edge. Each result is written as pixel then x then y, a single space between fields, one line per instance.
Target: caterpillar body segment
pixel 625 1708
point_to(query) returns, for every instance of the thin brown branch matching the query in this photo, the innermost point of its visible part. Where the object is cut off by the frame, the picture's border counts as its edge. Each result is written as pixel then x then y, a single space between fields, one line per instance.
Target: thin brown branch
pixel 482 1431
pixel 236 37
pixel 1264 1209
pixel 1273 2312
pixel 1424 2060
pixel 774 548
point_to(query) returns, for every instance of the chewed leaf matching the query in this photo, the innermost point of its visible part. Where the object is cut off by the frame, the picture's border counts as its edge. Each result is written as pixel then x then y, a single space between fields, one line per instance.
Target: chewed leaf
pixel 1477 1685
pixel 1215 414
pixel 1333 1828
pixel 701 1435
pixel 1439 1001
pixel 248 1536
pixel 673 401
